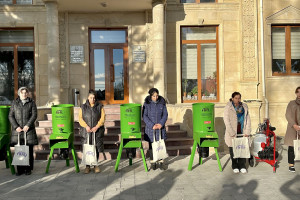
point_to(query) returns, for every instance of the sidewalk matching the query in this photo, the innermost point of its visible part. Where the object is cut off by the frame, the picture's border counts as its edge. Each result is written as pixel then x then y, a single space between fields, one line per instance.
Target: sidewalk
pixel 132 182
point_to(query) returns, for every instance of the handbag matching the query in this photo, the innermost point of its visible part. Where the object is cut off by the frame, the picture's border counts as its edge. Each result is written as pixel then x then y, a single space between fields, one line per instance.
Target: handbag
pixel 159 148
pixel 297 147
pixel 89 152
pixel 240 147
pixel 21 156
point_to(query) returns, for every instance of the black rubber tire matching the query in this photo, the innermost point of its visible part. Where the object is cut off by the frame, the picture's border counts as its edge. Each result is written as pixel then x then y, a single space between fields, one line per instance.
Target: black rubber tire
pixel 252 161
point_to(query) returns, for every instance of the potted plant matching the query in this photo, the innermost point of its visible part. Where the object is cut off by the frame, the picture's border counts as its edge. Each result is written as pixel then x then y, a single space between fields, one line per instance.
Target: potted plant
pixel 185 84
pixel 196 96
pixel 189 95
pixel 195 90
pixel 213 91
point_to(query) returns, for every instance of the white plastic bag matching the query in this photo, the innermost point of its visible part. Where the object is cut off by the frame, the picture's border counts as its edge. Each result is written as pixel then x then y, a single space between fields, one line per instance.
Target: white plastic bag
pixel 89 156
pixel 297 147
pixel 240 147
pixel 21 156
pixel 159 148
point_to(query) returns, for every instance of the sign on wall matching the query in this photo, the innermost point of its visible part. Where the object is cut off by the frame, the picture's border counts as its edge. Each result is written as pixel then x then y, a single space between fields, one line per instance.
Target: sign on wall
pixel 139 53
pixel 76 54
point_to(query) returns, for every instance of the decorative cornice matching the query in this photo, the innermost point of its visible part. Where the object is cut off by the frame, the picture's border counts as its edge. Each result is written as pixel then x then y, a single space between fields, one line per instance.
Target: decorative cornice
pixel 249 25
pixel 281 12
pixel 155 2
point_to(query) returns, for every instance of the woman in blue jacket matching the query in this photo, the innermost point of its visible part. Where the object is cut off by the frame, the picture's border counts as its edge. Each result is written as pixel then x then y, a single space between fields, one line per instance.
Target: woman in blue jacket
pixel 155 115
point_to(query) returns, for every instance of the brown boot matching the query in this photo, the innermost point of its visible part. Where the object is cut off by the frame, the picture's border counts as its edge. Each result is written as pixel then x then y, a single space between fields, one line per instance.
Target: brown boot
pixel 87 169
pixel 97 169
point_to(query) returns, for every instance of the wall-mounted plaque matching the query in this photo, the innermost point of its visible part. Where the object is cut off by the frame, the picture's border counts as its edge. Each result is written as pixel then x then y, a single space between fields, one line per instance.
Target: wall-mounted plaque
pixel 139 53
pixel 76 54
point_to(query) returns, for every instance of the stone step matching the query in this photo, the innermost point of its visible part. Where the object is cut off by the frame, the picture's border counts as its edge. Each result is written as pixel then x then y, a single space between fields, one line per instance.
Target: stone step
pixel 48 123
pixel 112 153
pixel 44 133
pixel 112 144
pixel 112 109
pixel 109 129
pixel 110 120
pixel 109 123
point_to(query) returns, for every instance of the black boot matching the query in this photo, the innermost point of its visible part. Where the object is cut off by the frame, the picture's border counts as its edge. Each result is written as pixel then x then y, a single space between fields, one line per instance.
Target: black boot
pixel 162 166
pixel 153 166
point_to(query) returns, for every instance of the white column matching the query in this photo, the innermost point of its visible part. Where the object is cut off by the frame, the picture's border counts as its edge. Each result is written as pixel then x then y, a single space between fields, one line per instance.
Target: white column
pixel 159 66
pixel 53 52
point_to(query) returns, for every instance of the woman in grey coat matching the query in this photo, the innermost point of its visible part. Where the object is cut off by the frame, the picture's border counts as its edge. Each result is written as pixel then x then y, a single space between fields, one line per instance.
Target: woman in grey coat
pixel 22 116
pixel 293 117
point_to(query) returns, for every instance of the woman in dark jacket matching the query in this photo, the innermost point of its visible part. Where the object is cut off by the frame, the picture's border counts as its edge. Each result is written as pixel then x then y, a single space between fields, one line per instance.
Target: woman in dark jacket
pixel 155 115
pixel 91 119
pixel 22 115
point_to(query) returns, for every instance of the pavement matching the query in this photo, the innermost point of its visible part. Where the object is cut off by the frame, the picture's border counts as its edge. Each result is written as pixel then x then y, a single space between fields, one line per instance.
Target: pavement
pixel 133 183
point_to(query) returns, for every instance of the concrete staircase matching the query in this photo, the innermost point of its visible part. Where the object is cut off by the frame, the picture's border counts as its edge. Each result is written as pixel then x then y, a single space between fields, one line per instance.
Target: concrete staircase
pixel 178 143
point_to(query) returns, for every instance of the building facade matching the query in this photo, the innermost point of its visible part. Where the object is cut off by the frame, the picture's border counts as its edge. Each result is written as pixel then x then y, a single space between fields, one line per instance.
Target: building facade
pixel 191 50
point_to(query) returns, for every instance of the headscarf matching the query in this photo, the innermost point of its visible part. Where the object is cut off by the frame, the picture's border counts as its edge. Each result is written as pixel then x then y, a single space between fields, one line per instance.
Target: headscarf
pixel 19 91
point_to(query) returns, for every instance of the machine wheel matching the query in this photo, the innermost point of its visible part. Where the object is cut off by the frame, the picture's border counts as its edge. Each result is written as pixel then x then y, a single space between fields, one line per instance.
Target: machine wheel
pixel 252 161
pixel 275 167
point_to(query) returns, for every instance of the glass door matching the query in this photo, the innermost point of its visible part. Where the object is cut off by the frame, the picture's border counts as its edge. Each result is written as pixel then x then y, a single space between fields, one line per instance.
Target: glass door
pixel 16 63
pixel 109 74
pixel 108 69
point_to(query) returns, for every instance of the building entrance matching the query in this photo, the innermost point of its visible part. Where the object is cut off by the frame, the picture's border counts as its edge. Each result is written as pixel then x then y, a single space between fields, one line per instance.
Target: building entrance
pixel 108 65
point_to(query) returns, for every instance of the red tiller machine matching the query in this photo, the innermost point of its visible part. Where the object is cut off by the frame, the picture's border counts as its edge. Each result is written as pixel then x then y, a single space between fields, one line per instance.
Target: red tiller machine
pixel 262 148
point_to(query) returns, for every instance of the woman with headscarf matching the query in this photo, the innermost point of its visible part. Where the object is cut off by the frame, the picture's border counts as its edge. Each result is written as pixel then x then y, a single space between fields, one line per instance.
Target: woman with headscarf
pixel 22 116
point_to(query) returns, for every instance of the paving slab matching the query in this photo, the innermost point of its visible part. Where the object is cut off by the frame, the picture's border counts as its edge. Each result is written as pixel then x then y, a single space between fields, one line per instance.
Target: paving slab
pixel 132 182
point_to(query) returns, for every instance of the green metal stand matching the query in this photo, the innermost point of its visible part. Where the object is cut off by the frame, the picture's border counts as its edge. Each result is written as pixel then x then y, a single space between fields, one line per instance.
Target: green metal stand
pixel 130 144
pixel 210 140
pixel 4 143
pixel 62 142
pixel 8 160
pixel 5 130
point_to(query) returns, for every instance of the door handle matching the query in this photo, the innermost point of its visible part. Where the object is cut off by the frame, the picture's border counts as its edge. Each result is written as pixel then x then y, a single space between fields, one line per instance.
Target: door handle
pixel 112 77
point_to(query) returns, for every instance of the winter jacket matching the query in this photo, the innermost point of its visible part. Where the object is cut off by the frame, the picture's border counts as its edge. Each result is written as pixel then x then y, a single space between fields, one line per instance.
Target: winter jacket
pixel 290 116
pixel 230 120
pixel 91 116
pixel 23 115
pixel 154 113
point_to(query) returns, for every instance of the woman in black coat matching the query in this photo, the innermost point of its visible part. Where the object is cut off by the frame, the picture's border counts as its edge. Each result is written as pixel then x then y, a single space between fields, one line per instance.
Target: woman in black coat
pixel 22 115
pixel 155 115
pixel 91 119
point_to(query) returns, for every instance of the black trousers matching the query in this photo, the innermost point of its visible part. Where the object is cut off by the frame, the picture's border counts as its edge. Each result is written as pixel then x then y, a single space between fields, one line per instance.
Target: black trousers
pixel 237 163
pixel 291 155
pixel 22 169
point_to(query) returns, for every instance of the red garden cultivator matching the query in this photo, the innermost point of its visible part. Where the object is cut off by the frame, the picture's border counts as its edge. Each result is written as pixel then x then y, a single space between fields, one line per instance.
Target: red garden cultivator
pixel 264 146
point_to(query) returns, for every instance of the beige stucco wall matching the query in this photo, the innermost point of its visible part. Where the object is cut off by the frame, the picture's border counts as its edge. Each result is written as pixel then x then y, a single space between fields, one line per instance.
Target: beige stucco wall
pixel 224 15
pixel 76 30
pixel 34 17
pixel 279 89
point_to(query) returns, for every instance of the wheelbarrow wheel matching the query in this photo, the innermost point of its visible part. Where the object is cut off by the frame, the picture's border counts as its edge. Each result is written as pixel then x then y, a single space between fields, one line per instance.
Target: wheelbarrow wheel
pixel 252 161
